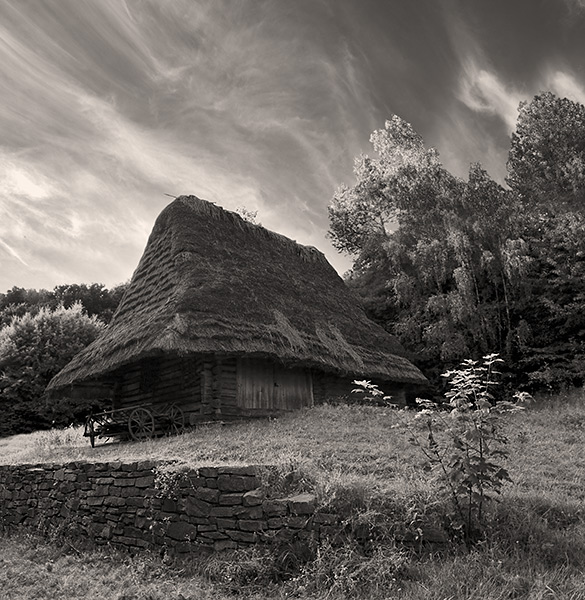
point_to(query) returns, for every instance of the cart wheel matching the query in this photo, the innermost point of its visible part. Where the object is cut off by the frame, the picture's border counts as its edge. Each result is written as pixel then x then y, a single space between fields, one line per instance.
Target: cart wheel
pixel 141 424
pixel 175 419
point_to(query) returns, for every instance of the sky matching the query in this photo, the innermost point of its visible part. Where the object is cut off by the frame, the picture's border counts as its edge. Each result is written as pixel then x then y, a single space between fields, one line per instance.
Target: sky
pixel 108 108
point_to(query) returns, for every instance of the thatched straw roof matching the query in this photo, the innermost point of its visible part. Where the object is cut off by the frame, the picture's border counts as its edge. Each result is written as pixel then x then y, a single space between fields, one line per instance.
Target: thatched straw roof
pixel 211 282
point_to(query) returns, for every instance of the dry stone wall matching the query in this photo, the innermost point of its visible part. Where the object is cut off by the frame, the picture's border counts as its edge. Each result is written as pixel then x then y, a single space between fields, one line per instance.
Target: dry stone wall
pixel 149 505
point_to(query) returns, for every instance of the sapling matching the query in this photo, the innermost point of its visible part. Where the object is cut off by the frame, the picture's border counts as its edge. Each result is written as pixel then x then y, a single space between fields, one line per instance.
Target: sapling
pixel 464 443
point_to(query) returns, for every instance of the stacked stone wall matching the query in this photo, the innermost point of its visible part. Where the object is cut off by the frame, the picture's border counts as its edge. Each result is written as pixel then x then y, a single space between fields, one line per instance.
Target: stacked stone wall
pixel 149 505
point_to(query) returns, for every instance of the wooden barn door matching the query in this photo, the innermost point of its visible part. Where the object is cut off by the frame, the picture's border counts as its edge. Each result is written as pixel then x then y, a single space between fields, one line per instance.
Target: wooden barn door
pixel 264 386
pixel 293 388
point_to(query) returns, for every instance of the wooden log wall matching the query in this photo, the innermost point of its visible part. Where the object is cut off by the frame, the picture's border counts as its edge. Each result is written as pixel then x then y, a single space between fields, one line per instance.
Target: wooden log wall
pixel 293 388
pixel 331 388
pixel 206 387
pixel 218 388
pixel 165 380
pixel 210 387
pixel 229 403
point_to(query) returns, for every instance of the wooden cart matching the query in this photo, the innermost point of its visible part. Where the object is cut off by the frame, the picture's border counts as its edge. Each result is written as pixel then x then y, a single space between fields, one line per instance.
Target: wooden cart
pixel 136 422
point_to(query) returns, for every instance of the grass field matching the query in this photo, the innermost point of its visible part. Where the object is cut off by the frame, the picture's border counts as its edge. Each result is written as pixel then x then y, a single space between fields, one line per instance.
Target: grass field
pixel 358 459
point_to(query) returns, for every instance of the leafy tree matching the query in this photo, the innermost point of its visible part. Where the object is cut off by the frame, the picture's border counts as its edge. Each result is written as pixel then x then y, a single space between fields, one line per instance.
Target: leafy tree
pixel 546 169
pixel 17 301
pixel 465 268
pixel 33 348
pixel 548 342
pixel 435 257
pixel 546 164
pixel 40 331
pixel 96 299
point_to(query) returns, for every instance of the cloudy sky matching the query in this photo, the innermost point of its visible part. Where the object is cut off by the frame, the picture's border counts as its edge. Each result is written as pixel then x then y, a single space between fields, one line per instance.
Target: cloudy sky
pixel 108 105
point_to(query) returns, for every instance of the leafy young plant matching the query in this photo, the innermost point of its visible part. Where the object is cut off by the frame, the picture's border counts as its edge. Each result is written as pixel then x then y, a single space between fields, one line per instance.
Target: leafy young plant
pixel 464 443
pixel 372 394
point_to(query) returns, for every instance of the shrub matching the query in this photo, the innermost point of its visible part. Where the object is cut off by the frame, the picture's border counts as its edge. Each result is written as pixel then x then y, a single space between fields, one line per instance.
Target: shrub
pixel 34 348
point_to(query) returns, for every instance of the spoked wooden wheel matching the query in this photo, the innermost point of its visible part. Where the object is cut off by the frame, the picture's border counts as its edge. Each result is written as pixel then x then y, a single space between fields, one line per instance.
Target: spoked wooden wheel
pixel 141 424
pixel 175 420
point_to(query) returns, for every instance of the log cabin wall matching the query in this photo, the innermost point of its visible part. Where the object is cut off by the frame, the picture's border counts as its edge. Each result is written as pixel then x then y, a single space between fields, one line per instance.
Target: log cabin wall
pixel 232 388
pixel 161 380
pixel 331 388
pixel 218 387
pixel 228 390
pixel 222 387
pixel 204 386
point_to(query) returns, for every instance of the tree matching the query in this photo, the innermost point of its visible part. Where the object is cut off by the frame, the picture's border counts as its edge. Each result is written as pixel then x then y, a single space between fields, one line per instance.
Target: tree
pixel 96 299
pixel 34 348
pixel 17 301
pixel 546 163
pixel 546 169
pixel 467 268
pixel 405 181
pixel 431 251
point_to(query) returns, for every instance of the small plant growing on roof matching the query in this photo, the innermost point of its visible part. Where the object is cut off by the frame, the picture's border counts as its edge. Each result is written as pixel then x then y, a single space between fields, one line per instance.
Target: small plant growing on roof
pixel 464 444
pixel 248 215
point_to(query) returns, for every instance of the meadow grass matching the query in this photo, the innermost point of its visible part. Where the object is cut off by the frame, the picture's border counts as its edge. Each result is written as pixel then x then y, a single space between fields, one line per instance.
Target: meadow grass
pixel 352 445
pixel 33 569
pixel 359 460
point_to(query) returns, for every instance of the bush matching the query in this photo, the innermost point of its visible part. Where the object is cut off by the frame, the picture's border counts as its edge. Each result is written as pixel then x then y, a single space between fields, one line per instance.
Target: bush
pixel 34 348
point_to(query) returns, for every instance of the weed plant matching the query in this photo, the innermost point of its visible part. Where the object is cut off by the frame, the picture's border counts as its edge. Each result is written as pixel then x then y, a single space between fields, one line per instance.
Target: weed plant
pixel 468 457
pixel 464 443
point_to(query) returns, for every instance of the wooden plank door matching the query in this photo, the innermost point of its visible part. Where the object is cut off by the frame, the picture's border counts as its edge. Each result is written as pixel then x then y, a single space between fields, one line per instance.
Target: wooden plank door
pixel 262 385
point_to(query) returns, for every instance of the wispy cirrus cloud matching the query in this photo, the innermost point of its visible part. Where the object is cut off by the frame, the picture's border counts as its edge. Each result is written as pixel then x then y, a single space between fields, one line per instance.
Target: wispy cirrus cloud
pixel 482 108
pixel 109 106
pixel 480 87
pixel 575 5
pixel 483 91
pixel 565 85
pixel 12 252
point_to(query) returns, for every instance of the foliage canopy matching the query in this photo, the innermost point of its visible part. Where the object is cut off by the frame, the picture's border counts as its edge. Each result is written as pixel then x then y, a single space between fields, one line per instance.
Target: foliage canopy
pixel 463 268
pixel 34 348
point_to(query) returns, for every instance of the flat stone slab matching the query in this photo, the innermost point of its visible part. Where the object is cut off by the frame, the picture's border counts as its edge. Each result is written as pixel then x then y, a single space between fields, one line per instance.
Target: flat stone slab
pixel 182 531
pixel 302 504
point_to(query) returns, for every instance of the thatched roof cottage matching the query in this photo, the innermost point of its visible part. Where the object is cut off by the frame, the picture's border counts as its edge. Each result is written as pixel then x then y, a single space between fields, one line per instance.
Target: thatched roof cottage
pixel 228 319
